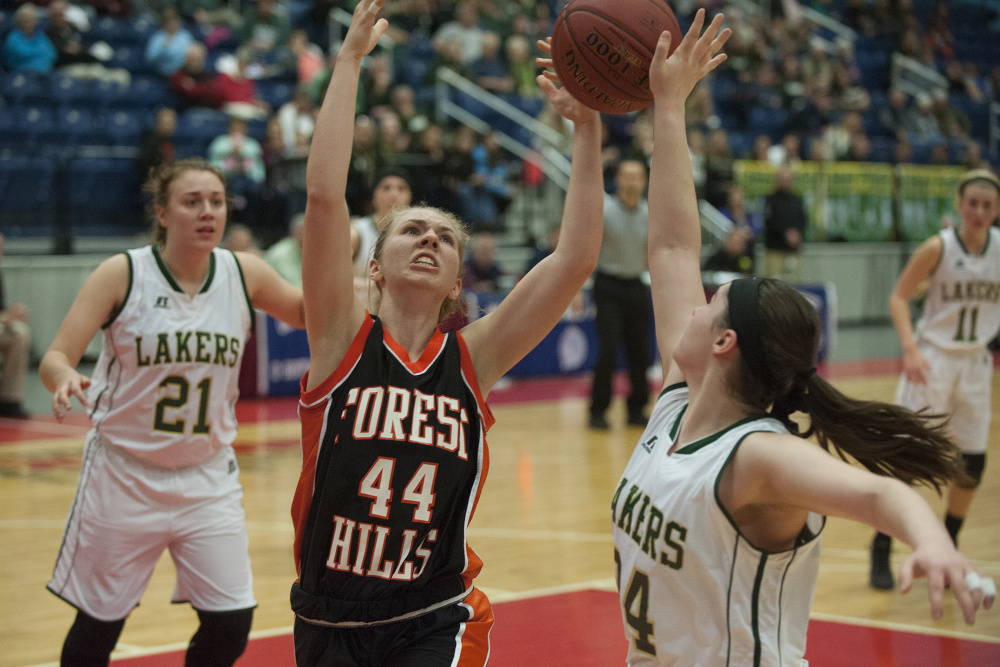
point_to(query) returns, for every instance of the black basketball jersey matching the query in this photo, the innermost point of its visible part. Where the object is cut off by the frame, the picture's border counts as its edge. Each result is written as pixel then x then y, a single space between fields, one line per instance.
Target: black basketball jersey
pixel 394 459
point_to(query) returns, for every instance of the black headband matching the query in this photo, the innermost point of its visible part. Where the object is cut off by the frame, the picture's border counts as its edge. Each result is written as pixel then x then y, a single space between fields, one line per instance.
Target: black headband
pixel 744 319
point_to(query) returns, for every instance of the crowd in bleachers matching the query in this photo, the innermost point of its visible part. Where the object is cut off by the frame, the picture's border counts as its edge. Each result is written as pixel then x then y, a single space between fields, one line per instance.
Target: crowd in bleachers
pixel 95 94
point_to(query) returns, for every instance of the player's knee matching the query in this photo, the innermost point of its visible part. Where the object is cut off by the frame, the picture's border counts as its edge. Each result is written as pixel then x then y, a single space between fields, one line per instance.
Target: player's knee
pixel 974 466
pixel 90 641
pixel 221 638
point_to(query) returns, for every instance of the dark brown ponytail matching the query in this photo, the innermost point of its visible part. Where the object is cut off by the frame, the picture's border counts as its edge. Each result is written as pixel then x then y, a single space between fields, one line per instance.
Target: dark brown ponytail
pixel 777 376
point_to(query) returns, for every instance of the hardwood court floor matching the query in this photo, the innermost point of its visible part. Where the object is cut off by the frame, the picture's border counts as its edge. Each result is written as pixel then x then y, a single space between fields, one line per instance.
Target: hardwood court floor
pixel 542 526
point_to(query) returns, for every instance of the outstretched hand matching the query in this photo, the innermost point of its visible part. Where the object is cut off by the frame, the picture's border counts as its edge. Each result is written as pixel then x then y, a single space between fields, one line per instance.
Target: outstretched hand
pixel 946 566
pixel 74 385
pixel 364 31
pixel 674 77
pixel 567 105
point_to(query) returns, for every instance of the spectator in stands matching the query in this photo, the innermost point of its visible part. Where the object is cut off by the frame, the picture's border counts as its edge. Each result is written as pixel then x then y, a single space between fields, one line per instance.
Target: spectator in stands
pixel 902 153
pixel 951 122
pixel 238 89
pixel 429 178
pixel 67 36
pixel 809 116
pixel 482 271
pixel 15 350
pixel 898 118
pixel 239 158
pixel 495 165
pixel 364 165
pixel 27 49
pixel 283 191
pixel 375 87
pixel 393 140
pixel 719 165
pixel 297 118
pixel 928 130
pixel 962 81
pixel 732 255
pixel 696 151
pixel 392 190
pixel 993 83
pixel 464 30
pixel 760 149
pixel 194 85
pixel 521 66
pixel 541 252
pixel 939 154
pixel 447 56
pixel 972 157
pixel 266 30
pixel 911 45
pixel 478 207
pixel 784 228
pixel 404 104
pixel 308 59
pixel 785 151
pixel 735 209
pixel 156 145
pixel 285 256
pixel 859 150
pixel 838 136
pixel 489 71
pixel 239 238
pixel 167 48
pixel 937 33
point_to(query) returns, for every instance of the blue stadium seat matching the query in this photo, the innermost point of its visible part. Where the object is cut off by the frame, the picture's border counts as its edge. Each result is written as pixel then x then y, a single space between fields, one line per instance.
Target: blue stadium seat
pixel 104 196
pixel 275 93
pixel 108 29
pixel 132 58
pixel 101 95
pixel 146 91
pixel 24 125
pixel 24 87
pixel 28 197
pixel 200 126
pixel 768 121
pixel 123 128
pixel 69 90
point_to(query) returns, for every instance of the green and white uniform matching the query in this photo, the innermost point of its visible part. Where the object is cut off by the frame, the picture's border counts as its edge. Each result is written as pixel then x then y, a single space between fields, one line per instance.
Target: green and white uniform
pixel 694 591
pixel 961 315
pixel 159 471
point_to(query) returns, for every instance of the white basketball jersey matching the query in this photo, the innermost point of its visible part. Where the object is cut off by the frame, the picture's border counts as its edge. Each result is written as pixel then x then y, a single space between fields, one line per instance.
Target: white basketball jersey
pixel 165 385
pixel 694 592
pixel 961 311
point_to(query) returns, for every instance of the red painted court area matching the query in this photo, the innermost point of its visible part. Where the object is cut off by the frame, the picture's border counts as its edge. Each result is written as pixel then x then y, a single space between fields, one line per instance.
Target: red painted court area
pixel 584 629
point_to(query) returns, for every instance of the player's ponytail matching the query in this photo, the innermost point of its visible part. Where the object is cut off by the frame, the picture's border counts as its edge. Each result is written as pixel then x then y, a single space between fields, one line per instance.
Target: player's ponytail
pixel 778 335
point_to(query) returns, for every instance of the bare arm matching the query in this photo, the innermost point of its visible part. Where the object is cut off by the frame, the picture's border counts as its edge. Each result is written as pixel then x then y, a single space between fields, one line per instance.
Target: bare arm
pixel 674 223
pixel 333 314
pixel 102 293
pixel 788 476
pixel 917 270
pixel 270 292
pixel 502 338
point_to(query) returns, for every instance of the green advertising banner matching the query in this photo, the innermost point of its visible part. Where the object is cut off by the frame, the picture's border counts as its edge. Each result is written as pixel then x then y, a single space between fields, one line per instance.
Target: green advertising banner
pixel 926 199
pixel 858 201
pixel 757 180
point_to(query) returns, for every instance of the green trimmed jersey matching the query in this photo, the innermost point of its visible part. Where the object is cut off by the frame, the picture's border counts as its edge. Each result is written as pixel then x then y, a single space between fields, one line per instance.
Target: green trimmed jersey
pixel 693 590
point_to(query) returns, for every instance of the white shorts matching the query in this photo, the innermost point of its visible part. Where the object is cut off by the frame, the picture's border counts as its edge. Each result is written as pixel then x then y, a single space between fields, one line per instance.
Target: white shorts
pixel 959 385
pixel 126 513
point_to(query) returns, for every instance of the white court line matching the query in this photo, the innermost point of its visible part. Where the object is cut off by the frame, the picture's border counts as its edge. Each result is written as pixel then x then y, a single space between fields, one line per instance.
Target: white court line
pixel 903 627
pixel 607 584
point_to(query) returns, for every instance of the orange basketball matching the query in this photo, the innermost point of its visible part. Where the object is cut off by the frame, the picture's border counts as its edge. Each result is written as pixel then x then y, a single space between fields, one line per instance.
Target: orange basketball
pixel 601 50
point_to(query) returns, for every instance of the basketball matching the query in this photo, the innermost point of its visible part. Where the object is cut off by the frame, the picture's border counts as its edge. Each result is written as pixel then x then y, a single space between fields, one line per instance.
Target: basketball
pixel 601 50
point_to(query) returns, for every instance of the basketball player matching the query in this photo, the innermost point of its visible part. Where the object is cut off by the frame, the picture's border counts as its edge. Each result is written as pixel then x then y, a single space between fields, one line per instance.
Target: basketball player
pixel 947 368
pixel 394 413
pixel 159 471
pixel 718 515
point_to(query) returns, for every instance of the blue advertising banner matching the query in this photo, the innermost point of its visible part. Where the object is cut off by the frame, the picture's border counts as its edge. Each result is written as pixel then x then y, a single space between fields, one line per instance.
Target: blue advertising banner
pixel 281 355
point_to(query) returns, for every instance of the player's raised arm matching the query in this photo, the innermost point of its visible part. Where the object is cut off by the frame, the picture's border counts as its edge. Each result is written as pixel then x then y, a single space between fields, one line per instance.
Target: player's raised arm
pixel 538 301
pixel 332 313
pixel 674 225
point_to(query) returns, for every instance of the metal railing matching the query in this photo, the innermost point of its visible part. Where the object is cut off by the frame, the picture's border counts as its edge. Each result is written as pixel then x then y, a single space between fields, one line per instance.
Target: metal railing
pixel 913 77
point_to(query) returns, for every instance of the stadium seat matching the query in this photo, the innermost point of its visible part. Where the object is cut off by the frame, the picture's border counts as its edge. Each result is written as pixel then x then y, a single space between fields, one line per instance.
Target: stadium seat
pixel 104 196
pixel 200 126
pixel 69 90
pixel 28 197
pixel 24 87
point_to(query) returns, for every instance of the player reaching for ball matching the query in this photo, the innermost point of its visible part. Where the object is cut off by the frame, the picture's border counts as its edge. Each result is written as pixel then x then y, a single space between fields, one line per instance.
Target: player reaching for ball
pixel 393 411
pixel 718 516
